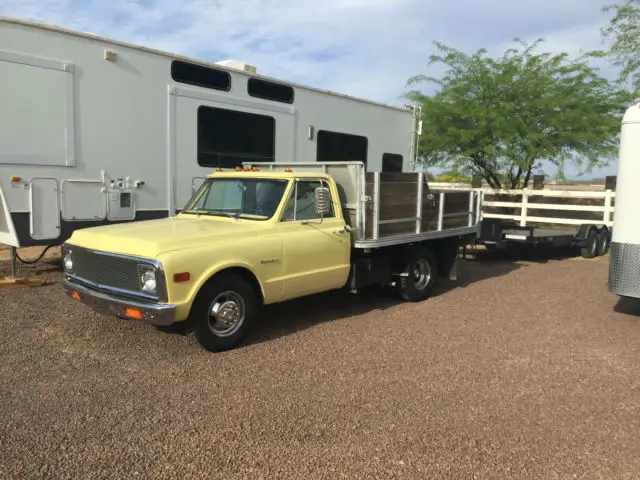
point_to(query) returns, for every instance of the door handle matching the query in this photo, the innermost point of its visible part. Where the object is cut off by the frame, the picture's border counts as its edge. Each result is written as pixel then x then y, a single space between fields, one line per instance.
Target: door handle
pixel 346 229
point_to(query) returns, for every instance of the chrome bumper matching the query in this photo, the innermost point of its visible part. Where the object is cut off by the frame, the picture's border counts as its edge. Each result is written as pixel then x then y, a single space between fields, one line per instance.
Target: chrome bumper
pixel 156 314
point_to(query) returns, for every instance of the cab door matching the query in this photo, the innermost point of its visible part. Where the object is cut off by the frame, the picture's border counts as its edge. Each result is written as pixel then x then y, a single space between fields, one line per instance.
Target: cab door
pixel 316 251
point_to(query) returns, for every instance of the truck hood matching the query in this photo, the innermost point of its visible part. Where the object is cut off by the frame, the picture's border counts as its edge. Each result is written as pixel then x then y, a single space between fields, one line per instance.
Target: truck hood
pixel 150 238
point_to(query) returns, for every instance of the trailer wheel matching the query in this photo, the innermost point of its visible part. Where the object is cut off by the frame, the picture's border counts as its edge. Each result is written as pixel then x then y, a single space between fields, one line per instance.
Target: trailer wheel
pixel 603 241
pixel 590 248
pixel 224 311
pixel 421 269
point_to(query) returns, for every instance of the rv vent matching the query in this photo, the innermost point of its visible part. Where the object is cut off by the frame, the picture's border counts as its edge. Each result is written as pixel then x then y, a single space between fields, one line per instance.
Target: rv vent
pixel 238 65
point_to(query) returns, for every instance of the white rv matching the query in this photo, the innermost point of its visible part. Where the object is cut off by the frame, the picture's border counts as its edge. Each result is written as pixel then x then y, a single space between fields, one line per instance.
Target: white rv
pixel 624 264
pixel 94 131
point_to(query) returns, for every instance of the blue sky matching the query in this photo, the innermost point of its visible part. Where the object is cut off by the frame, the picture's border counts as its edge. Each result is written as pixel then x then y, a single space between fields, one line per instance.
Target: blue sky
pixel 367 48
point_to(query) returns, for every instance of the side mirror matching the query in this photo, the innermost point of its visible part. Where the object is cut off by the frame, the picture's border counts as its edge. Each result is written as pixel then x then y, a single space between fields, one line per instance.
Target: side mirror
pixel 323 201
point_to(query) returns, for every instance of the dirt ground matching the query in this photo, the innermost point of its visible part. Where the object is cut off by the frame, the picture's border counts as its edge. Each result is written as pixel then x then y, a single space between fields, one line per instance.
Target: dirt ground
pixel 521 369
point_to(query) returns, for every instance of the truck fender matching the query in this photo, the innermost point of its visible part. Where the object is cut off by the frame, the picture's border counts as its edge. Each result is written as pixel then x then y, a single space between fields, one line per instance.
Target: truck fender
pixel 243 270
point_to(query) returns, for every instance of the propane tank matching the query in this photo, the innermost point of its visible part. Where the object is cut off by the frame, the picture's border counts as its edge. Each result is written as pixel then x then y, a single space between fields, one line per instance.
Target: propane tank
pixel 624 262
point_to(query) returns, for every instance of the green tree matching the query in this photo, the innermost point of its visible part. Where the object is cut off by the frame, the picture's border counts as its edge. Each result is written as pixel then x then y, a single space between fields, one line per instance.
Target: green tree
pixel 501 118
pixel 623 30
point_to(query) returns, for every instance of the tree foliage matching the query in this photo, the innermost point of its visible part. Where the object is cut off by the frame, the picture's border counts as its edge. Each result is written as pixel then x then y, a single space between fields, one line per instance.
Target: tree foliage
pixel 501 118
pixel 623 30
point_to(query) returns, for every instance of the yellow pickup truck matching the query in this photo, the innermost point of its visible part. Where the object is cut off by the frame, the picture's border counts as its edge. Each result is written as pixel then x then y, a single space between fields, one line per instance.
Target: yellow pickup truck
pixel 268 233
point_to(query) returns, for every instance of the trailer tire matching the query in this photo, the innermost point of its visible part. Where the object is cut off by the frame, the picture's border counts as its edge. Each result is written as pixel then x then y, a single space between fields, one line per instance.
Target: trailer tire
pixel 236 303
pixel 590 248
pixel 421 266
pixel 603 241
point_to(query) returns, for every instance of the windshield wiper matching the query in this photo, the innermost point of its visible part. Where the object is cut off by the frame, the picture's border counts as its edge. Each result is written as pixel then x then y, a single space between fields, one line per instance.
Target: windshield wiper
pixel 202 211
pixel 215 212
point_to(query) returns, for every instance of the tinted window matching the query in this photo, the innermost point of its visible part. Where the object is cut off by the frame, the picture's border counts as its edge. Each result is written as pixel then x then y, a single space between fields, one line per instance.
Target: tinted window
pixel 341 147
pixel 391 162
pixel 226 138
pixel 270 90
pixel 200 75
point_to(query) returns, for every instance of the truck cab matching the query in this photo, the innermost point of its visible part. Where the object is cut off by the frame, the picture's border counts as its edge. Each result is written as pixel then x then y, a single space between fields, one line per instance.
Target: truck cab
pixel 246 238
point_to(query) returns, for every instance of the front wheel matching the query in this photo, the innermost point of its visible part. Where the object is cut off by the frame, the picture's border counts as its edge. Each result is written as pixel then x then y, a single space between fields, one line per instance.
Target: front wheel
pixel 224 312
pixel 420 274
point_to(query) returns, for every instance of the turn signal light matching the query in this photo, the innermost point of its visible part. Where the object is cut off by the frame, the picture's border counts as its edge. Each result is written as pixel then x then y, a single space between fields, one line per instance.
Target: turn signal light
pixel 181 277
pixel 288 170
pixel 15 179
pixel 255 169
pixel 75 295
pixel 218 169
pixel 133 313
pixel 238 169
pixel 247 169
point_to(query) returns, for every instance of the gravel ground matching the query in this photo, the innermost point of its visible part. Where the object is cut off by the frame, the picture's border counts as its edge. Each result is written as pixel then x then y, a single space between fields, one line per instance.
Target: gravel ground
pixel 520 369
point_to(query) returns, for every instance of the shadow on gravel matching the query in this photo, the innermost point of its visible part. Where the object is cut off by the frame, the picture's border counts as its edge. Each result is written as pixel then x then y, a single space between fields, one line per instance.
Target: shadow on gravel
pixel 628 306
pixel 293 316
pixel 296 315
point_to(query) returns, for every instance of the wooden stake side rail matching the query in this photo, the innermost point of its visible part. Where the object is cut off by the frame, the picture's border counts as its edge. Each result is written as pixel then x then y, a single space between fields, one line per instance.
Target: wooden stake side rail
pixel 401 204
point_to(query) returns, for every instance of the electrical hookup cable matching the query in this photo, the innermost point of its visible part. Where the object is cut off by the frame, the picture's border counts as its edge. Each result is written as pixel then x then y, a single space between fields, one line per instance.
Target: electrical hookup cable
pixel 31 262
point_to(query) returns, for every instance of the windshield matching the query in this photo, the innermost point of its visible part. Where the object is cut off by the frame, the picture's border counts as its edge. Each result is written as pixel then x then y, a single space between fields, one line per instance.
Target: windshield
pixel 256 198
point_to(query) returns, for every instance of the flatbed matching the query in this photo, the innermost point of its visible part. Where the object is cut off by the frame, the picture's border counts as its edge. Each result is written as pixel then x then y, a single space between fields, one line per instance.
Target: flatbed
pixel 593 240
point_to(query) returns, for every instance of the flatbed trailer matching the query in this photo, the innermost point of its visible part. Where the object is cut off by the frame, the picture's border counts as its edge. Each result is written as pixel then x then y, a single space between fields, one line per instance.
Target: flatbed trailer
pixel 592 239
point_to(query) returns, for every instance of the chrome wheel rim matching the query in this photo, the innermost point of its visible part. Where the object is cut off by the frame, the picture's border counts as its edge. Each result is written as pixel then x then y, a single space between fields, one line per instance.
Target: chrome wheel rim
pixel 226 314
pixel 421 274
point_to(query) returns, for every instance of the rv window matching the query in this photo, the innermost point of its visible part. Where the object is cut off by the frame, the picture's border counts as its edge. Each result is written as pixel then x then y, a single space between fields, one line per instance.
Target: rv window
pixel 270 91
pixel 200 75
pixel 340 147
pixel 391 162
pixel 226 138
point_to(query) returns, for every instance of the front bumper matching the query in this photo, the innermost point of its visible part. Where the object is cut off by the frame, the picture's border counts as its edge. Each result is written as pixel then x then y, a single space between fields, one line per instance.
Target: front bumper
pixel 157 314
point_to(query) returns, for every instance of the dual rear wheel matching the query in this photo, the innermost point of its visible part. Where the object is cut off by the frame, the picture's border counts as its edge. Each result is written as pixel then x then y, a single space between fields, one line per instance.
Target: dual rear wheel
pixel 597 243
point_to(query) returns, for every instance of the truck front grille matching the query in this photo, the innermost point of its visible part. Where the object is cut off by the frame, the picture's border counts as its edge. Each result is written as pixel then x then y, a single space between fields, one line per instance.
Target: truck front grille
pixel 107 270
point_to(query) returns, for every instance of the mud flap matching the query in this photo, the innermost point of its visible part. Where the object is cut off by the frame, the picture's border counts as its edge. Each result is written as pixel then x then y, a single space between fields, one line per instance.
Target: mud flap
pixel 453 272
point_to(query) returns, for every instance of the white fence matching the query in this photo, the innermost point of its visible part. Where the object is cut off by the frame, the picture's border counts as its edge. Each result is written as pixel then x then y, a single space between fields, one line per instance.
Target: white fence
pixel 528 202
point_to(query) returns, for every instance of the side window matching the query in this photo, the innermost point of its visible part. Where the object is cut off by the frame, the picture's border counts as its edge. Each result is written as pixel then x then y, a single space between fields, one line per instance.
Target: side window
pixel 341 147
pixel 302 202
pixel 391 162
pixel 226 138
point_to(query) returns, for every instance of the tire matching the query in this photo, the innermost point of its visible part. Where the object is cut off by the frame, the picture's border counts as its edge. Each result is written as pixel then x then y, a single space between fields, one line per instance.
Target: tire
pixel 422 268
pixel 232 296
pixel 590 250
pixel 603 241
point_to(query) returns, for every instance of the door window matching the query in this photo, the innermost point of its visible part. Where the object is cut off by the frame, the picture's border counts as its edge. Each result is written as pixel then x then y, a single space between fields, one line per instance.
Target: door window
pixel 302 202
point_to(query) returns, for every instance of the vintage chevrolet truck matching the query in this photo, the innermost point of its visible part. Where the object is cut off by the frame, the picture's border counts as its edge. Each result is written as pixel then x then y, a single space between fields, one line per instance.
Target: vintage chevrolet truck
pixel 268 233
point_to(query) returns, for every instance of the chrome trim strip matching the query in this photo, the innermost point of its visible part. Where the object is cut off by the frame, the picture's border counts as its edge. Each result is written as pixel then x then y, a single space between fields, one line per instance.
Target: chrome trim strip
pixel 155 314
pixel 108 289
pixel 412 237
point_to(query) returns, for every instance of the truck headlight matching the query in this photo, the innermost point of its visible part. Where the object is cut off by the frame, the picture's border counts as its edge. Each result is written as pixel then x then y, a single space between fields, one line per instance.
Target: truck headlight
pixel 148 279
pixel 68 261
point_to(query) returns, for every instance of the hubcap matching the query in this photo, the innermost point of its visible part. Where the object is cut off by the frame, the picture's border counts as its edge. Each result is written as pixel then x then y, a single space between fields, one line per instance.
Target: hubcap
pixel 421 274
pixel 226 314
